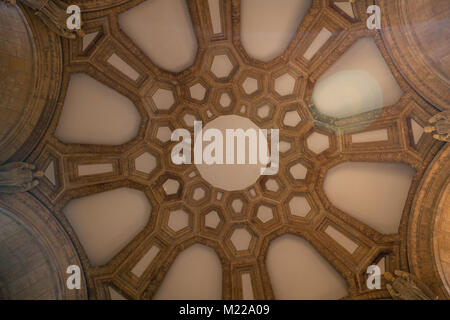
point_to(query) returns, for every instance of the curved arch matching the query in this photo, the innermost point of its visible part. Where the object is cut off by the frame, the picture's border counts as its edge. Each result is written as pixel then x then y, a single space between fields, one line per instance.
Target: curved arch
pixel 44 80
pixel 426 225
pixel 47 234
pixel 26 270
pixel 416 55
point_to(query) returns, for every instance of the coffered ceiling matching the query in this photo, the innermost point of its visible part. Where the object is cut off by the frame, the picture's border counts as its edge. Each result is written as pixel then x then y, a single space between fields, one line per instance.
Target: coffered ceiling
pixel 352 150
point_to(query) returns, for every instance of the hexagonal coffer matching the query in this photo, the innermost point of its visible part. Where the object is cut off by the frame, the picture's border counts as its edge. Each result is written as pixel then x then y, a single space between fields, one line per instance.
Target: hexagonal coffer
pixel 264 111
pixel 299 171
pixel 162 98
pixel 222 65
pixel 198 194
pixel 318 142
pixel 237 205
pixel 241 240
pixel 178 220
pixel 251 84
pixel 285 84
pixel 212 220
pixel 224 100
pixel 160 131
pixel 197 91
pixel 145 162
pixel 298 206
pixel 265 214
pixel 188 116
pixel 272 186
pixel 169 187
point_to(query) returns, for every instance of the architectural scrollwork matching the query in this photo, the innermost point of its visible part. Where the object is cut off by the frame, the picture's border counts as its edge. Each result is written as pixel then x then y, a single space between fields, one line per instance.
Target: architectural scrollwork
pixel 52 14
pixel 18 177
pixel 402 286
pixel 440 126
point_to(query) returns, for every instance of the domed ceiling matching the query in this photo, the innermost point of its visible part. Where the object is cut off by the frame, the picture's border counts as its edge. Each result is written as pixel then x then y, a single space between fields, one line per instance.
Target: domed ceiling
pixel 352 150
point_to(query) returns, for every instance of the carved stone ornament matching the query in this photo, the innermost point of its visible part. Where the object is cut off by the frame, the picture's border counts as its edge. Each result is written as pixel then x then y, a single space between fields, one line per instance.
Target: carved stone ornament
pixel 52 14
pixel 403 286
pixel 18 177
pixel 440 126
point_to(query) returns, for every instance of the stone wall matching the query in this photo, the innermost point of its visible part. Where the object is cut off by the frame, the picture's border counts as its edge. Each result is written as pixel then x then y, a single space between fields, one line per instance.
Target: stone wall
pixel 16 68
pixel 25 270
